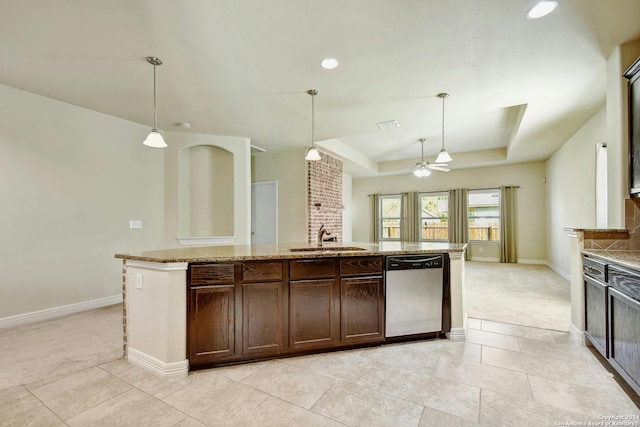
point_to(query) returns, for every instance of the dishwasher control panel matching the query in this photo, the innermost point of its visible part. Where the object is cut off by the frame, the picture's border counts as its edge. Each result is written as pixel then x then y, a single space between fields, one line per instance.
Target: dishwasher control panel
pixel 411 262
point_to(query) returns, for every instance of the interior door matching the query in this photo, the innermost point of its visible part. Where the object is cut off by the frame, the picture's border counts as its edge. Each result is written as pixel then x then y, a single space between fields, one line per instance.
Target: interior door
pixel 264 212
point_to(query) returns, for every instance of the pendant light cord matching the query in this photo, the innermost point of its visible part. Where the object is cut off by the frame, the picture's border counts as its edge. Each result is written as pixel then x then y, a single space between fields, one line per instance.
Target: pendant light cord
pixel 313 140
pixel 155 110
pixel 443 121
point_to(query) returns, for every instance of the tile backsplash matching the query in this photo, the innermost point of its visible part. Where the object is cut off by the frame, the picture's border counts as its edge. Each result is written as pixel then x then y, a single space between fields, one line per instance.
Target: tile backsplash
pixel 618 240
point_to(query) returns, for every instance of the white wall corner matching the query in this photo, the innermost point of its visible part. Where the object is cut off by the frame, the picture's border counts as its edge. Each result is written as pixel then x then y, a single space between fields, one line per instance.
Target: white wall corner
pixel 577 333
pixel 564 274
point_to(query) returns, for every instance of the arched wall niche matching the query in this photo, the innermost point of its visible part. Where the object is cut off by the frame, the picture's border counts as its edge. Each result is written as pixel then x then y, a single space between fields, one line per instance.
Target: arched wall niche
pixel 211 191
pixel 220 168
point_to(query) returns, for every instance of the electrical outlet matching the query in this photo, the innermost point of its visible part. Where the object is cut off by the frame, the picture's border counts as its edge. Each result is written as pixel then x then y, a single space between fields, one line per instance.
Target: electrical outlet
pixel 480 249
pixel 138 280
pixel 135 223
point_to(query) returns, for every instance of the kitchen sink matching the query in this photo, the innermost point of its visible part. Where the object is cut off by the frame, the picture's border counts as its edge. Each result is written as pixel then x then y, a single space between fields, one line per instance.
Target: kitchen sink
pixel 327 248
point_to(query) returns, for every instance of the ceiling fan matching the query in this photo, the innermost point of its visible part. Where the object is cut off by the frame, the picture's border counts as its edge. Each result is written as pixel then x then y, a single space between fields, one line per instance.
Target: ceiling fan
pixel 422 168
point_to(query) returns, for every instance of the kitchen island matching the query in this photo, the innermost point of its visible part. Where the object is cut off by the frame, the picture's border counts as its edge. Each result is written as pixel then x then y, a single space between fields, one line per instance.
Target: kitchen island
pixel 264 301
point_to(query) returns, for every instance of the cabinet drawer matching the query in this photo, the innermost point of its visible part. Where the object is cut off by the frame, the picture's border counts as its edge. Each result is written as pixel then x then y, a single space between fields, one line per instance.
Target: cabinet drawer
pixel 594 268
pixel 262 271
pixel 211 274
pixel 625 281
pixel 312 268
pixel 361 266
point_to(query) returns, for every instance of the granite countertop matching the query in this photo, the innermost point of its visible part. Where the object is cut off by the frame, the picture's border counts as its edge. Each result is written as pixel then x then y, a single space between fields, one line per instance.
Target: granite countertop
pixel 630 259
pixel 283 251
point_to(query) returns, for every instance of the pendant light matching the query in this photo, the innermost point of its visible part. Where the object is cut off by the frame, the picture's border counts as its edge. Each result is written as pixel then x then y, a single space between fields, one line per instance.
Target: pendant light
pixel 443 157
pixel 422 168
pixel 312 152
pixel 154 139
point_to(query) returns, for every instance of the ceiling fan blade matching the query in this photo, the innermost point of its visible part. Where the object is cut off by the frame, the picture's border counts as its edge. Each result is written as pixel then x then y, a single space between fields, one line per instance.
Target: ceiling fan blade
pixel 439 168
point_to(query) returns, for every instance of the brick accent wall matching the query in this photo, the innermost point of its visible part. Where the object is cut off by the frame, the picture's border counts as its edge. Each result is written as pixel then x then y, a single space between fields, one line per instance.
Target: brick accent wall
pixel 324 197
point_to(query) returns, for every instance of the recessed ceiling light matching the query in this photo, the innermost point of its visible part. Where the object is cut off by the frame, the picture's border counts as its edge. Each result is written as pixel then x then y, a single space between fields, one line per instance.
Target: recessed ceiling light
pixel 329 63
pixel 391 124
pixel 543 8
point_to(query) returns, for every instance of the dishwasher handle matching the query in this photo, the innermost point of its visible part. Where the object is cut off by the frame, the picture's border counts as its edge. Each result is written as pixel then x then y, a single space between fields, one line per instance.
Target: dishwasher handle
pixel 413 262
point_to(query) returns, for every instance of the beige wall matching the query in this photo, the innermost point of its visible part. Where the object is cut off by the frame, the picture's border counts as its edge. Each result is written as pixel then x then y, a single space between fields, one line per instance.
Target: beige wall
pixel 530 207
pixel 571 176
pixel 290 170
pixel 70 181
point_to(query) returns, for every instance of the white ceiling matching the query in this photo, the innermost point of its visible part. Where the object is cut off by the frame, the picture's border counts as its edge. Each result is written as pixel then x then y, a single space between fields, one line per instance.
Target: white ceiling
pixel 242 67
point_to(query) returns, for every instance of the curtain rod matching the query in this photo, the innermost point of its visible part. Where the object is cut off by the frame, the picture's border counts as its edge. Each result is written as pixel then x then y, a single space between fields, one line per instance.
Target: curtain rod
pixel 442 191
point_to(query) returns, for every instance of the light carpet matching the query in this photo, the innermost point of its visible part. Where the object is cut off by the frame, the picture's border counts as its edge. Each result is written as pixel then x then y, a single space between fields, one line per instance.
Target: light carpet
pixel 520 294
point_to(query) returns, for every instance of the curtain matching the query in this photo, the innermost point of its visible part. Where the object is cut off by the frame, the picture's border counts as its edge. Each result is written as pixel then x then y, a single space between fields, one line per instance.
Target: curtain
pixel 508 225
pixel 374 230
pixel 458 216
pixel 410 217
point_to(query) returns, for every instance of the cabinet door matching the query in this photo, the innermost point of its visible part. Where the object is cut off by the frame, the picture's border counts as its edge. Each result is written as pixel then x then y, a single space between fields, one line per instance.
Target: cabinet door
pixel 362 310
pixel 313 314
pixel 262 318
pixel 596 314
pixel 624 333
pixel 211 323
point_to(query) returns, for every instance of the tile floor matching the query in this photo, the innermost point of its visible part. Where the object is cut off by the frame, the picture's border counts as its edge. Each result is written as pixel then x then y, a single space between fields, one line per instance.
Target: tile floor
pixel 504 375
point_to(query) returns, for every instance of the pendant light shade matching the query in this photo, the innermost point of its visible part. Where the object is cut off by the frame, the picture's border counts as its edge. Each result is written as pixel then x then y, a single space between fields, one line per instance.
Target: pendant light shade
pixel 154 139
pixel 443 156
pixel 313 154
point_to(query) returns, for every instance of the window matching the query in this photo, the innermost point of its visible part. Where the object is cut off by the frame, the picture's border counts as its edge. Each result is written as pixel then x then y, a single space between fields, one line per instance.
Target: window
pixel 484 215
pixel 390 217
pixel 434 216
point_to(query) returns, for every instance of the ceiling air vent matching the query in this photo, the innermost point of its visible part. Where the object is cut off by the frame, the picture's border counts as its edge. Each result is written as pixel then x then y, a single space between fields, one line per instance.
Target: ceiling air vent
pixel 391 124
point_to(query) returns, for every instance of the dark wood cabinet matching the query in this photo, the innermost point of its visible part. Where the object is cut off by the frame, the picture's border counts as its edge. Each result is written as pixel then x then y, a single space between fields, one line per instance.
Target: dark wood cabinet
pixel 595 313
pixel 313 314
pixel 361 300
pixel 211 314
pixel 263 301
pixel 624 320
pixel 211 323
pixel 262 318
pixel 314 301
pixel 633 74
pixel 362 310
pixel 260 309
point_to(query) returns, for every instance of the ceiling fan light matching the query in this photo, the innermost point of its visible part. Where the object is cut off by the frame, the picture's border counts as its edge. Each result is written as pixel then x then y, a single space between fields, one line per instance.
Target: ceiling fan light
pixel 421 171
pixel 313 155
pixel 443 157
pixel 155 140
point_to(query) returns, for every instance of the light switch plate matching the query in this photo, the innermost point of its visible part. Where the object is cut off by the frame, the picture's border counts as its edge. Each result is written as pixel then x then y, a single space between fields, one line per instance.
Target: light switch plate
pixel 138 280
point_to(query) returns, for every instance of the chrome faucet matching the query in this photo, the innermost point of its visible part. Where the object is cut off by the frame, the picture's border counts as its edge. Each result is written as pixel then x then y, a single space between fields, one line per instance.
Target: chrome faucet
pixel 321 232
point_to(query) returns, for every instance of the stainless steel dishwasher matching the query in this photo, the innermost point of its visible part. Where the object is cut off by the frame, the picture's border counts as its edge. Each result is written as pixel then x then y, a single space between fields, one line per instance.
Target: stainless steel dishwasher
pixel 414 287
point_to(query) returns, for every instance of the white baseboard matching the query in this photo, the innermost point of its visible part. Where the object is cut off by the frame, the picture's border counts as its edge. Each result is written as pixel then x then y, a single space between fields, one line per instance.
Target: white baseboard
pixel 532 261
pixel 484 259
pixel 577 333
pixel 456 334
pixel 52 313
pixel 559 271
pixel 158 367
